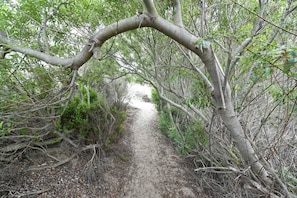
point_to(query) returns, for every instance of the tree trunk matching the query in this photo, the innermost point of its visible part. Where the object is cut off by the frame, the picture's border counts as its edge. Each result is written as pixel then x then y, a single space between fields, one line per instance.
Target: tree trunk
pixel 224 104
pixel 245 148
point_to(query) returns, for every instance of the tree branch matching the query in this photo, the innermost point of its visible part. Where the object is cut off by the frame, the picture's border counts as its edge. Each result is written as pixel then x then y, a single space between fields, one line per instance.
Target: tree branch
pixel 150 6
pixel 46 46
pixel 96 41
pixel 203 19
pixel 266 20
pixel 258 26
pixel 180 107
pixel 289 10
pixel 177 16
pixel 89 49
pixel 201 74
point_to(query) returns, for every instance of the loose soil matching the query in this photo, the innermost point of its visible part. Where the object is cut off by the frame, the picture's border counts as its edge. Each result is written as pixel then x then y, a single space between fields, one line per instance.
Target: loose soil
pixel 142 163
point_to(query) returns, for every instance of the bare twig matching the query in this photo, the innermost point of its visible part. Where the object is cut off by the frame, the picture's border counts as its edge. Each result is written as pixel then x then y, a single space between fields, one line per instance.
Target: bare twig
pixel 31 193
pixel 64 161
pixel 67 139
pixel 221 170
pixel 266 20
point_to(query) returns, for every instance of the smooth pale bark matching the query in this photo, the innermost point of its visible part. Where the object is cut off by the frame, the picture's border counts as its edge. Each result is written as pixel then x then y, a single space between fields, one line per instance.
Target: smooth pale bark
pixel 74 62
pixel 150 6
pixel 245 148
pixel 191 115
pixel 223 101
pixel 87 52
pixel 177 16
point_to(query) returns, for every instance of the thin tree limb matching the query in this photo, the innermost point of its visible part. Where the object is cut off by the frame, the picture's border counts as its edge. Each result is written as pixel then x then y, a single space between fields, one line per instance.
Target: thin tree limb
pixel 46 46
pixel 150 6
pixel 258 26
pixel 177 16
pixel 264 19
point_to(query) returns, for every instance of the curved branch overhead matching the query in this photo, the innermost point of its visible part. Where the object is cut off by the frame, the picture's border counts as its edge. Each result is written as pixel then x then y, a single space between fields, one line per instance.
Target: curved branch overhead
pixel 175 32
pixel 95 42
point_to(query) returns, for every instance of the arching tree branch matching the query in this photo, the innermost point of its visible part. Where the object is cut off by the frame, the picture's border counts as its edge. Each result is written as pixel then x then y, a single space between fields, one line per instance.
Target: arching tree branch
pixel 150 6
pixel 87 52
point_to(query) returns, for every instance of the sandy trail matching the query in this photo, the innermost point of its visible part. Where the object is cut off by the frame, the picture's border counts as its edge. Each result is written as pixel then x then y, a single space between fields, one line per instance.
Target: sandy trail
pixel 156 170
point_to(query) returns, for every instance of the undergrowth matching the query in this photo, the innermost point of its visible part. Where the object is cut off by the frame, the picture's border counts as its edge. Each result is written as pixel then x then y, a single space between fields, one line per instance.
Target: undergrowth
pixel 89 115
pixel 186 135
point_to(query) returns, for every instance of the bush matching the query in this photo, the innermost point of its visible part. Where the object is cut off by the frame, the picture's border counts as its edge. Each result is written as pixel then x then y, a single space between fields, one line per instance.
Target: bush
pixel 186 140
pixel 155 99
pixel 186 136
pixel 76 116
pixel 164 123
pixel 96 122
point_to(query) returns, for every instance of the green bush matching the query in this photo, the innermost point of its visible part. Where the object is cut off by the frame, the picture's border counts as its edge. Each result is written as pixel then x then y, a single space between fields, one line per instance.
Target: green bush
pixel 155 99
pixel 89 115
pixel 185 138
pixel 76 116
pixel 92 94
pixel 119 116
pixel 185 134
pixel 164 123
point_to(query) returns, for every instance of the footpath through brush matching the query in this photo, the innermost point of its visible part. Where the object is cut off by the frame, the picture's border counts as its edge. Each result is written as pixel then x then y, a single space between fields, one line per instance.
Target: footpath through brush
pixel 157 170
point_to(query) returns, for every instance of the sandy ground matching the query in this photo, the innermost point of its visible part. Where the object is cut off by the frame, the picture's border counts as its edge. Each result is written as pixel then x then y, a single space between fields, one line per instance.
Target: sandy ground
pixel 156 170
pixel 142 164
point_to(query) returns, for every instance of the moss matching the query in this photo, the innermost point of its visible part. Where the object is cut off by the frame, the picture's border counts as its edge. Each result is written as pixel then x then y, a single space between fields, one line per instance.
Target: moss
pixel 24 132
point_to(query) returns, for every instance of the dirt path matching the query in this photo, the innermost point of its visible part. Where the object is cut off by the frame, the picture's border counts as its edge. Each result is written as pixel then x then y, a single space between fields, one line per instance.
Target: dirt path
pixel 142 164
pixel 156 169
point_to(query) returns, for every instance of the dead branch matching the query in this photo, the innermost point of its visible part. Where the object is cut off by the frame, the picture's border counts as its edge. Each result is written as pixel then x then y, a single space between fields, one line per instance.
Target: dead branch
pixel 30 193
pixel 221 170
pixel 66 139
pixel 18 146
pixel 64 161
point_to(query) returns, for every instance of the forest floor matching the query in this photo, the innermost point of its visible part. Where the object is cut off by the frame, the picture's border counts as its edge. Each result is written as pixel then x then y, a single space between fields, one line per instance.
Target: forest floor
pixel 143 163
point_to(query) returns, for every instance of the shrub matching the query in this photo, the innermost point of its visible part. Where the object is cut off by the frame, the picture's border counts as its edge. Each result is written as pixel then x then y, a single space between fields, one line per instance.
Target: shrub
pixel 186 136
pixel 164 123
pixel 155 99
pixel 76 116
pixel 89 115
